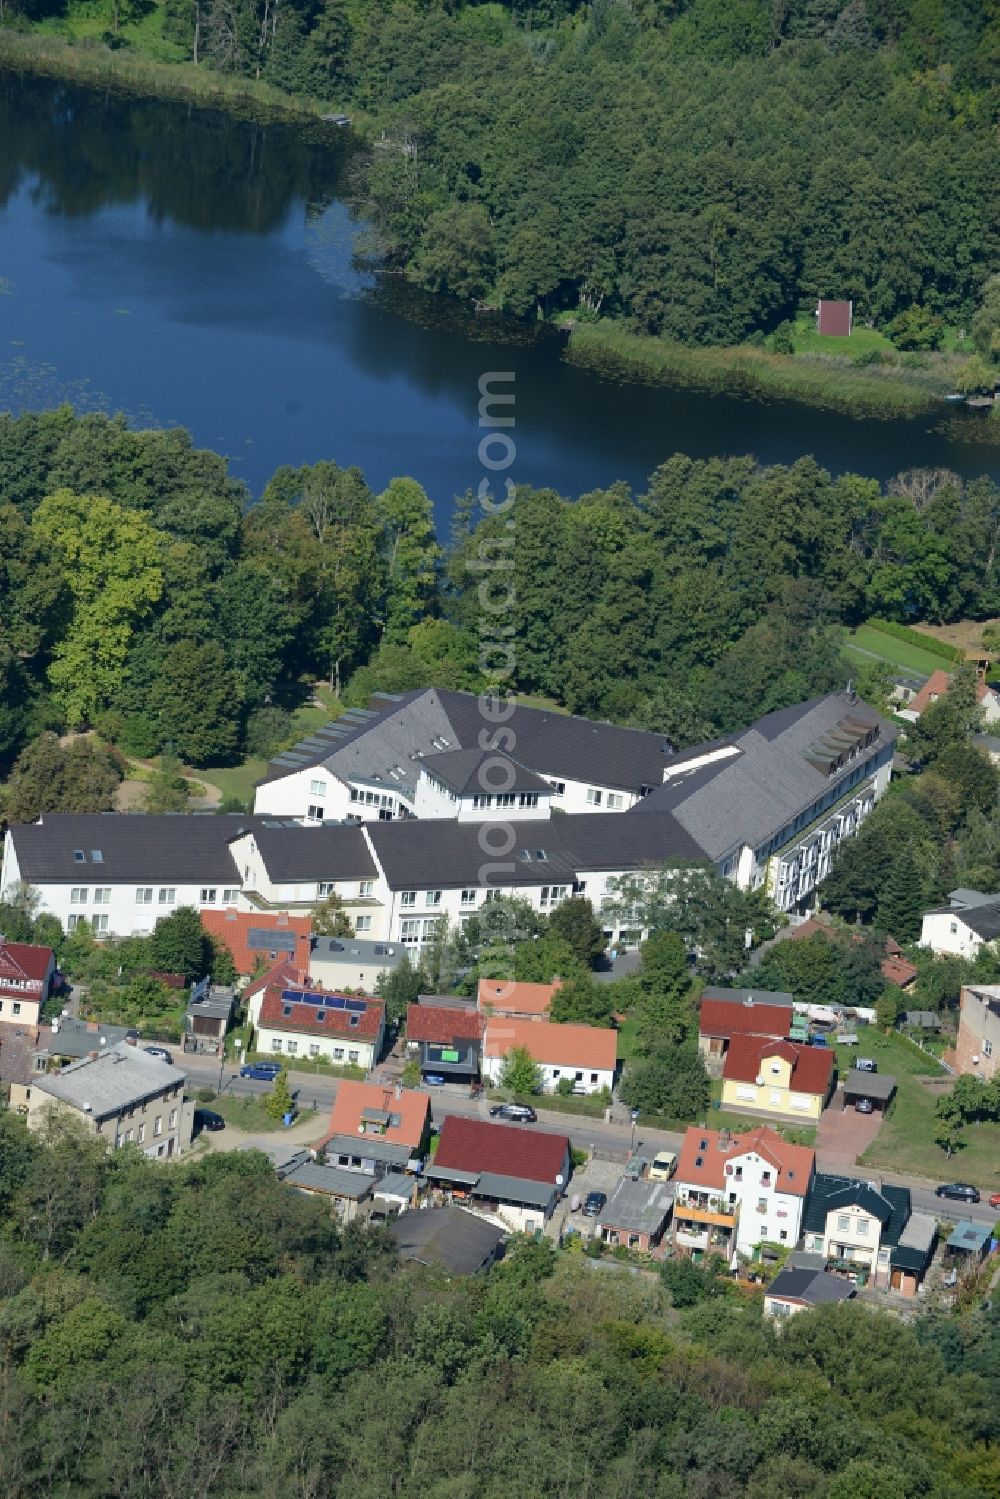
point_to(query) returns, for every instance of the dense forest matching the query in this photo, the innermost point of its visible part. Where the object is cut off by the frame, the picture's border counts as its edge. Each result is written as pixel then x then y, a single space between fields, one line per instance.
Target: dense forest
pixel 205 1330
pixel 142 594
pixel 699 169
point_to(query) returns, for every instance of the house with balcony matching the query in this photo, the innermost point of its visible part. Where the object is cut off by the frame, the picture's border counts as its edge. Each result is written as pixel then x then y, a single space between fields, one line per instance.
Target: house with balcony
pixel 734 1192
pixel 865 1230
pixel 585 1054
pixel 26 974
pixel 446 1036
pixel 779 1078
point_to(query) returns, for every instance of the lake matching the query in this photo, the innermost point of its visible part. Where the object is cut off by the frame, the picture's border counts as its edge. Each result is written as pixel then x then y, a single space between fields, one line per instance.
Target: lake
pixel 183 266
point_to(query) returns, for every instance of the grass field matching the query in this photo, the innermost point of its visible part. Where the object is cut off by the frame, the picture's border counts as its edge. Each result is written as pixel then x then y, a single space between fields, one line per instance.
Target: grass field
pixel 872 641
pixel 239 780
pixel 807 341
pixel 905 1143
pixel 250 1114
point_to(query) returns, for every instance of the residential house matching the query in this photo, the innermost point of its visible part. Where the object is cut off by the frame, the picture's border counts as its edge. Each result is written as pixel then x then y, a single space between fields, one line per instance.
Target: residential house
pixel 69 1039
pixel 725 1013
pixel 257 940
pixel 961 928
pixel 352 962
pixel 802 1284
pixel 208 1017
pixel 284 866
pixel 636 1214
pixel 859 1227
pixel 294 1021
pixel 584 1054
pixel 448 1238
pixel 977 1046
pixel 123 1095
pixel 397 1115
pixel 26 974
pixel 514 1000
pixel 733 1192
pixel 777 1077
pixel 447 1036
pixel 347 1192
pixel 512 1174
pixel 937 686
pixel 20 1064
pixel 371 1155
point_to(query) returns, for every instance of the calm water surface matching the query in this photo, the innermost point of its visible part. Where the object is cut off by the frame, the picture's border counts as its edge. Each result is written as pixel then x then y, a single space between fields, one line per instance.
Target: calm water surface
pixel 185 267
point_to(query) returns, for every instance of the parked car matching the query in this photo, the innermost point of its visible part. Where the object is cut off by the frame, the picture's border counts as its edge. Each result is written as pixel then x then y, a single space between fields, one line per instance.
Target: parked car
pixel 594 1204
pixel 995 1200
pixel 434 1079
pixel 960 1191
pixel 864 1106
pixel 866 1064
pixel 208 1119
pixel 266 1072
pixel 158 1051
pixel 663 1166
pixel 518 1112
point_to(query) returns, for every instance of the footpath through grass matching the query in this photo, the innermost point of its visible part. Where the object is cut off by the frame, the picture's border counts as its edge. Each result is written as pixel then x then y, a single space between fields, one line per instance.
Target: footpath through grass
pixel 901 654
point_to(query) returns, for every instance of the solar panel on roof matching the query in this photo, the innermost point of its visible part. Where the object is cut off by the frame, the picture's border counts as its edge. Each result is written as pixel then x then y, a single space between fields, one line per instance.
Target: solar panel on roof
pixel 358 1006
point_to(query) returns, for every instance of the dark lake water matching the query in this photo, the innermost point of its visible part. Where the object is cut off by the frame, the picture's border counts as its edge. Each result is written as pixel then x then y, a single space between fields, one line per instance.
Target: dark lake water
pixel 186 267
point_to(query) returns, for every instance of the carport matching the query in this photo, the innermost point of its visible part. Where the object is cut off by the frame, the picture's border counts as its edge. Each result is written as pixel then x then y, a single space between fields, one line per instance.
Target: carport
pixel 878 1086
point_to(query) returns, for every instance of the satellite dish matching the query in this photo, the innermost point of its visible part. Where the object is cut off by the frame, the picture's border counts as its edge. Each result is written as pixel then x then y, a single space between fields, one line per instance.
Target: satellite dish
pixel 559 1180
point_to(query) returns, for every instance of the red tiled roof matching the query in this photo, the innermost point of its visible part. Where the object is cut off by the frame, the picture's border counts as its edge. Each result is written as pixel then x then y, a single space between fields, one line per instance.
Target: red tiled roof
pixel 233 927
pixel 899 970
pixel 475 1145
pixel 896 969
pixel 353 1098
pixel 513 997
pixel 303 1017
pixel 439 1024
pixel 22 960
pixel 936 686
pixel 560 1045
pixel 793 1163
pixel 812 1066
pixel 728 1017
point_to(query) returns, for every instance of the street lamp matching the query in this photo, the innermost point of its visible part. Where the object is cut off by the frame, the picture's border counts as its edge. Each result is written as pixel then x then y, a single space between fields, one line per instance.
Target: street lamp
pixel 634 1117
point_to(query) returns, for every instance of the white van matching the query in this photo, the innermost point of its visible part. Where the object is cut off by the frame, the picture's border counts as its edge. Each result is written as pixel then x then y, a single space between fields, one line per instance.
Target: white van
pixel 663 1166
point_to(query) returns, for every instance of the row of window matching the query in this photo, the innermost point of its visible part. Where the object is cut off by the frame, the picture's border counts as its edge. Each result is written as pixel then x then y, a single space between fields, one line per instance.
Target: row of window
pixel 139 1135
pixel 370 798
pixel 506 799
pixel 366 888
pixel 166 895
pixel 550 895
pixel 615 799
pixel 291 1049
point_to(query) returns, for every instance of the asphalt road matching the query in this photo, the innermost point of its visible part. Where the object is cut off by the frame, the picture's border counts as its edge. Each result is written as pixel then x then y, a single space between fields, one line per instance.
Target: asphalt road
pixel 316 1091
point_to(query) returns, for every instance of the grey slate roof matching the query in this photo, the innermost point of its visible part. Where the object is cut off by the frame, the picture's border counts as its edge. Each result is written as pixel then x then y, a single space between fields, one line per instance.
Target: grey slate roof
pixel 984 920
pixel 118 1077
pixel 890 1205
pixel 337 851
pixel 875 1085
pixel 179 849
pixel 405 729
pixel 460 769
pixel 333 1180
pixel 514 1189
pixel 425 854
pixel 370 1149
pixel 450 1237
pixel 70 1037
pixel 740 996
pixel 396 1184
pixel 637 1207
pixel 748 798
pixel 814 1287
pixel 970 1237
pixel 355 950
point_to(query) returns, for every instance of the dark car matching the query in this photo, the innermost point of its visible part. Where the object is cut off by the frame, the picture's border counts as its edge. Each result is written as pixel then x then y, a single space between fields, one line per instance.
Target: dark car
pixel 518 1112
pixel 208 1119
pixel 265 1071
pixel 594 1204
pixel 158 1051
pixel 960 1191
pixel 864 1106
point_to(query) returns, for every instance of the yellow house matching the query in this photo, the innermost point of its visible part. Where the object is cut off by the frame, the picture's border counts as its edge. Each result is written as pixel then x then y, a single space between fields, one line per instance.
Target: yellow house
pixel 765 1077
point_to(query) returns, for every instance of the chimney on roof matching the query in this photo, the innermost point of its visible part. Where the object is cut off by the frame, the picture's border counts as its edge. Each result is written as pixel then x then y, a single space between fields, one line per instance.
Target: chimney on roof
pixel 723 1139
pixel 399 1090
pixel 748 1002
pixel 92 1056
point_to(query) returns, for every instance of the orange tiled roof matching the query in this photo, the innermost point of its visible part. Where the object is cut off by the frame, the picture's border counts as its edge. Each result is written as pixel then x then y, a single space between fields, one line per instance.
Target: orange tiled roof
pixel 412 1107
pixel 233 927
pixel 559 1045
pixel 704 1153
pixel 510 997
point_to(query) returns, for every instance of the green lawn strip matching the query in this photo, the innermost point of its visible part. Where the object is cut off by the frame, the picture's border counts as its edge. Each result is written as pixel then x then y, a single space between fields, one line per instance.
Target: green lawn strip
pixel 591 1108
pixel 898 653
pixel 250 1114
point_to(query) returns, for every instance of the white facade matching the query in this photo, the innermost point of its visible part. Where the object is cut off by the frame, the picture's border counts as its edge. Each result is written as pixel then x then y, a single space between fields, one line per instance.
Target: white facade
pixel 946 932
pixel 585 1079
pixel 765 1213
pixel 354 1051
pixel 435 799
pixel 315 796
pixel 259 891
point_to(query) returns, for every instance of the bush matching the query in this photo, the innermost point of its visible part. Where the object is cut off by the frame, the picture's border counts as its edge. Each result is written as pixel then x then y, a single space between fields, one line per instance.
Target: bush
pixel 564 1087
pixel 137 736
pixel 918 638
pixel 268 731
pixel 205 1095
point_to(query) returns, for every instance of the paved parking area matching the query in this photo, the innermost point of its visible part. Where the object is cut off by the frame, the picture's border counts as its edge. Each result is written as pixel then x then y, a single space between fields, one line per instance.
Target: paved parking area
pixel 595 1176
pixel 844 1135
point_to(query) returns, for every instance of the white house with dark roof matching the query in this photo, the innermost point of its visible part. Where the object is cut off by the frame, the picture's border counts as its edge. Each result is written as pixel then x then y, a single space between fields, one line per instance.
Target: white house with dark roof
pixel 970 918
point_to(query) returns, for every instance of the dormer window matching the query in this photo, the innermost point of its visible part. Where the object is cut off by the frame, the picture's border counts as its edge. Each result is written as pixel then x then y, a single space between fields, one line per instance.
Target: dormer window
pixel 97 856
pixel 79 856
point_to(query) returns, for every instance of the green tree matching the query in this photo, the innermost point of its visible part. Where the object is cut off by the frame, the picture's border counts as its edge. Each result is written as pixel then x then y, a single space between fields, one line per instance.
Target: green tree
pixel 167 790
pixel 413 554
pixel 51 777
pixel 329 919
pixel 457 251
pixel 519 1072
pixel 948 1122
pixel 400 988
pixel 889 1007
pixel 668 1080
pixel 279 1101
pixel 901 904
pixel 179 944
pixel 573 921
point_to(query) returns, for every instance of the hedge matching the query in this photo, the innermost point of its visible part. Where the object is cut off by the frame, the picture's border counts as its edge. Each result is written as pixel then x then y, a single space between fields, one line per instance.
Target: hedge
pixel 928 643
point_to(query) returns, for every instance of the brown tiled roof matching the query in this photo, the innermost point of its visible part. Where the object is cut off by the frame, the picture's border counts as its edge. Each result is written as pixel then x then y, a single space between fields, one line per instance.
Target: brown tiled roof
pixel 439 1024
pixel 475 1145
pixel 562 1045
pixel 354 1099
pixel 303 1017
pixel 704 1153
pixel 22 960
pixel 727 1017
pixel 812 1066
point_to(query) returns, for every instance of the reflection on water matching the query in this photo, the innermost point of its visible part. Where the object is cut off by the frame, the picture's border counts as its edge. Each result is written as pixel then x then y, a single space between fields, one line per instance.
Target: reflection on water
pixel 182 265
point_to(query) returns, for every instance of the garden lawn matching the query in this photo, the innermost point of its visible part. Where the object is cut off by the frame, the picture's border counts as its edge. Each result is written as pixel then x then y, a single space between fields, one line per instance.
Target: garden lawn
pixel 905 1143
pixel 898 653
pixel 862 340
pixel 250 1114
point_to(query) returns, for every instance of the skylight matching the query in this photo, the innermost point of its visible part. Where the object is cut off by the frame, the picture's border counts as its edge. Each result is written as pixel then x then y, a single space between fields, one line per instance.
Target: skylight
pixel 79 856
pixel 97 856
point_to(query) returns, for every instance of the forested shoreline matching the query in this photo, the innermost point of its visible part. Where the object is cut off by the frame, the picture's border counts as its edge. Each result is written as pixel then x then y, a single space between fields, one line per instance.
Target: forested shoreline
pixel 698 174
pixel 145 595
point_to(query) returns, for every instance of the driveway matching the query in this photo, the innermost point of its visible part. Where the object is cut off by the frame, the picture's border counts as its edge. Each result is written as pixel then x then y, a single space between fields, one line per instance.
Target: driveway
pixel 844 1135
